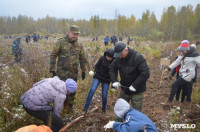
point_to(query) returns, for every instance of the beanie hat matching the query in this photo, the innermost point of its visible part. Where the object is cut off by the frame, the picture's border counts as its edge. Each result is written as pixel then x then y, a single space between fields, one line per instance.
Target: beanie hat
pixel 71 85
pixel 185 45
pixel 194 45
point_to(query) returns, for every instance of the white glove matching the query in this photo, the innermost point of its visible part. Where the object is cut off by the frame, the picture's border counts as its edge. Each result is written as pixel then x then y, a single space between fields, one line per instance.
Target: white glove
pixel 112 90
pixel 109 125
pixel 91 73
pixel 131 88
pixel 116 85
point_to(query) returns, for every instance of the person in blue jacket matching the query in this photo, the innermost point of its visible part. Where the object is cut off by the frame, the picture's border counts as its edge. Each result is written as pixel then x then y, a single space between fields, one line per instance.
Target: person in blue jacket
pixel 134 121
pixel 106 39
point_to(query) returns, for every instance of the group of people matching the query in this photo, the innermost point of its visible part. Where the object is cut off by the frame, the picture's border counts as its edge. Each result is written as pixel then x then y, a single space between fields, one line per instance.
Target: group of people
pixel 185 65
pixel 65 58
pixel 113 39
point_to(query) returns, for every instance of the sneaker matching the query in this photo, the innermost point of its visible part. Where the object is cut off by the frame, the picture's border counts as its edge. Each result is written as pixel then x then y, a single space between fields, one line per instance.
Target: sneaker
pixel 84 112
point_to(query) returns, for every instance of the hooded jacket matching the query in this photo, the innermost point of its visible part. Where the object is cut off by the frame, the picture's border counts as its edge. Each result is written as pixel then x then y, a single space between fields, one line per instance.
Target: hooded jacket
pixel 188 64
pixel 135 121
pixel 102 66
pixel 133 71
pixel 44 92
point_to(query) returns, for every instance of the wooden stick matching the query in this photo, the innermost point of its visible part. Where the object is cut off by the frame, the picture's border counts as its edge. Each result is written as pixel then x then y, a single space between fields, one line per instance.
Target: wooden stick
pixel 68 125
pixel 161 78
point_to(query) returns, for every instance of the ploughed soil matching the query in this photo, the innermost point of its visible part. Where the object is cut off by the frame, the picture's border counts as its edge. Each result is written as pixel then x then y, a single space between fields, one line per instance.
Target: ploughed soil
pixel 154 95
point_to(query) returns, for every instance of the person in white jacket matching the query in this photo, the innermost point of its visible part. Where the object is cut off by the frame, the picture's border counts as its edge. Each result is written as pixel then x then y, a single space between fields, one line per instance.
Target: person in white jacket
pixel 188 60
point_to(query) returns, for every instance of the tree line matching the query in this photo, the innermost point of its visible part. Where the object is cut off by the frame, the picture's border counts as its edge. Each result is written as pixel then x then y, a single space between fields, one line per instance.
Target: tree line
pixel 175 24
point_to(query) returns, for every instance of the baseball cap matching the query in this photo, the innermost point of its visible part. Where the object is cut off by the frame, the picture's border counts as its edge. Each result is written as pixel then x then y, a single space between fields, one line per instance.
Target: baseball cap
pixel 119 47
pixel 74 29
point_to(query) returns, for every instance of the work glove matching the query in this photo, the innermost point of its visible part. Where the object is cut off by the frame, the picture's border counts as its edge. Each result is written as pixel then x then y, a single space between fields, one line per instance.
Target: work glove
pixel 109 125
pixel 83 75
pixel 131 88
pixel 116 85
pixel 112 89
pixel 91 73
pixel 53 73
pixel 168 69
pixel 170 76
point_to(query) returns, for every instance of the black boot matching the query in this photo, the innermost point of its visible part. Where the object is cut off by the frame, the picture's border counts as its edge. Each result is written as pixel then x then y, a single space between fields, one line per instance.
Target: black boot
pixel 103 111
pixel 84 112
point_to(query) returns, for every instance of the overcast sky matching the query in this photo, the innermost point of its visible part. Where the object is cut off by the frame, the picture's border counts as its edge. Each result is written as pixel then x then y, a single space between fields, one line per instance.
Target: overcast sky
pixel 84 9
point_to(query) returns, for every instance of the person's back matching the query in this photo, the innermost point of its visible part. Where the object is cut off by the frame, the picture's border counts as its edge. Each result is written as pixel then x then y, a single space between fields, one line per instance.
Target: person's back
pixel 134 121
pixel 46 91
pixel 106 39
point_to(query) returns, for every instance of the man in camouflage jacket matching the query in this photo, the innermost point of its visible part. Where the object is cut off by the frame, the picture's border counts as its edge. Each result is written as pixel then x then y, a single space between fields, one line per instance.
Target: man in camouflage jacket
pixel 69 53
pixel 17 49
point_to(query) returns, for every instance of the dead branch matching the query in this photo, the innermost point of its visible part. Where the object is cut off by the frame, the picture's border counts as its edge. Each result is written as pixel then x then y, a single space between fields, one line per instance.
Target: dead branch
pixel 68 125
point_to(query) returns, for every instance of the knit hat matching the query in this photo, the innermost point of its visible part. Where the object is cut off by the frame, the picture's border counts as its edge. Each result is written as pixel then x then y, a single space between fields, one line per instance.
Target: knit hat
pixel 71 85
pixel 194 45
pixel 185 45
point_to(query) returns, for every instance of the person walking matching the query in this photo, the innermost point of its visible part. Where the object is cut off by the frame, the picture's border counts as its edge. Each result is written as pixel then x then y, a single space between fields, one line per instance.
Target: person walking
pixel 17 49
pixel 38 100
pixel 134 73
pixel 106 39
pixel 70 54
pixel 101 76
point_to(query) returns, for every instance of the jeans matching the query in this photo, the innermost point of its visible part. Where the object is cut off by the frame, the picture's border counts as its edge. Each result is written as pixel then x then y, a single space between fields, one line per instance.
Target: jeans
pixel 95 84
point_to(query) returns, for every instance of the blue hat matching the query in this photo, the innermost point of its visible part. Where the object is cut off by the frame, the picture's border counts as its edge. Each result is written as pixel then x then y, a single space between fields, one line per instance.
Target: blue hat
pixel 71 85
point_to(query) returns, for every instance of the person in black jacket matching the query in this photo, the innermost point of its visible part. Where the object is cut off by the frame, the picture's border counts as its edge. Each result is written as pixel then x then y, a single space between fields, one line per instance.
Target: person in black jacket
pixel 134 73
pixel 101 76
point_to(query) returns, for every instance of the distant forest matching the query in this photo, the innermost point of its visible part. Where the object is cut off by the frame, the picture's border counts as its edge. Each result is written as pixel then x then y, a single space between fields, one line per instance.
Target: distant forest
pixel 175 24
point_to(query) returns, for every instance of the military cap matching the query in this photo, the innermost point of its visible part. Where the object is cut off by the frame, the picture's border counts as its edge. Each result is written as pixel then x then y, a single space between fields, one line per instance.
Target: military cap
pixel 74 29
pixel 19 37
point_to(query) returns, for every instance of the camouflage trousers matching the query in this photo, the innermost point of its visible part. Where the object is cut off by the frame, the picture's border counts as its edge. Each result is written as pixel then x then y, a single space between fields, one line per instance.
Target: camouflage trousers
pixel 18 57
pixel 136 99
pixel 69 102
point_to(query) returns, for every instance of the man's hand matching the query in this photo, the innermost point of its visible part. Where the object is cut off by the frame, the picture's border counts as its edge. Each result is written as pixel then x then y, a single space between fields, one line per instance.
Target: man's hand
pixel 109 125
pixel 166 70
pixel 83 75
pixel 91 73
pixel 116 85
pixel 53 73
pixel 131 88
